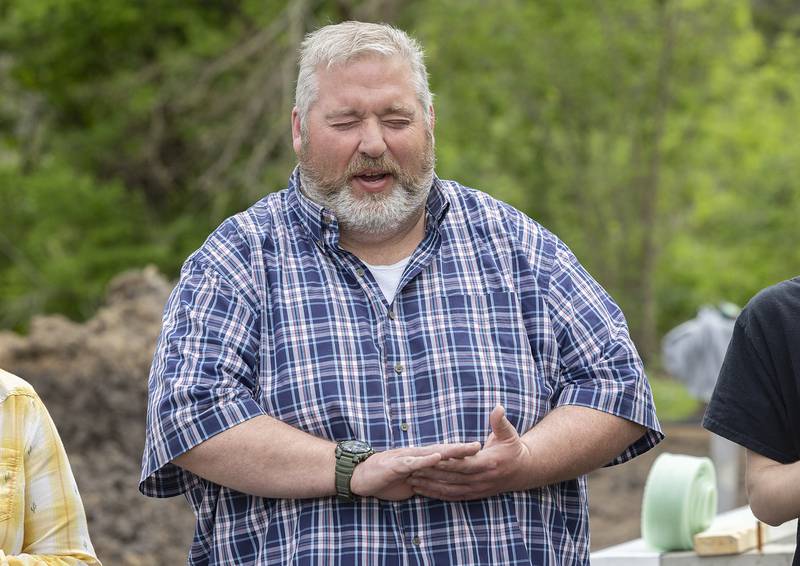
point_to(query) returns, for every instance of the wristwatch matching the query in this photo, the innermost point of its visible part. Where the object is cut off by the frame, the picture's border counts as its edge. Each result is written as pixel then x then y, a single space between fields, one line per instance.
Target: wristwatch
pixel 349 454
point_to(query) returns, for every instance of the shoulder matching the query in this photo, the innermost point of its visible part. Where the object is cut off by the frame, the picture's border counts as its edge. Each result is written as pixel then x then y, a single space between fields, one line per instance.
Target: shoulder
pixel 237 236
pixel 236 249
pixel 11 385
pixel 774 307
pixel 489 217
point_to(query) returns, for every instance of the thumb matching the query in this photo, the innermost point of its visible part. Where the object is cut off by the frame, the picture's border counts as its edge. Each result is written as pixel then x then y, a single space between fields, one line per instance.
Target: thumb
pixel 501 427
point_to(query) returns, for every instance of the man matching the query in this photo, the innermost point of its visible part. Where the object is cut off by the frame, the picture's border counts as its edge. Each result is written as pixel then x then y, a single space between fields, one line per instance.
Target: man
pixel 756 402
pixel 403 317
pixel 41 515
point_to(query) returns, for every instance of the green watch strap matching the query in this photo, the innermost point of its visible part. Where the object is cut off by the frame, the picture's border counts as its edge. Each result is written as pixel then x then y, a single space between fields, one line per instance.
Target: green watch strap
pixel 344 473
pixel 346 462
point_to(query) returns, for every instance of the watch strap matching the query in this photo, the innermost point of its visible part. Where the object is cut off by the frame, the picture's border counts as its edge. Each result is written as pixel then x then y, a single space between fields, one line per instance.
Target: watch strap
pixel 346 463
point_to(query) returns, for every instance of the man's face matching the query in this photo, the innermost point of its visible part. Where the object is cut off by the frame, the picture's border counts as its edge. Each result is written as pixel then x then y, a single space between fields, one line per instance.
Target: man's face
pixel 367 150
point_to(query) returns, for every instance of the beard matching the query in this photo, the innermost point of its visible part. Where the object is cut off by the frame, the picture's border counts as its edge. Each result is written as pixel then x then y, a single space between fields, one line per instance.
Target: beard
pixel 368 213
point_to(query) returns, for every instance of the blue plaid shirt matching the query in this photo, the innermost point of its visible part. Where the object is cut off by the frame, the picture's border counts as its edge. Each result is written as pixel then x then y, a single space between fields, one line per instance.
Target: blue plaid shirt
pixel 272 317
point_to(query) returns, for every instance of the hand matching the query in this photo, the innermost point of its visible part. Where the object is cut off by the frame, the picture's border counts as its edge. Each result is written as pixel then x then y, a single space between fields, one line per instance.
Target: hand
pixel 502 465
pixel 385 474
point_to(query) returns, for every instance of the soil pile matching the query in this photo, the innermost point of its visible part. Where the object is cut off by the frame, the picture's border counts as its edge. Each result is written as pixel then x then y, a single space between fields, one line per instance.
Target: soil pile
pixel 93 379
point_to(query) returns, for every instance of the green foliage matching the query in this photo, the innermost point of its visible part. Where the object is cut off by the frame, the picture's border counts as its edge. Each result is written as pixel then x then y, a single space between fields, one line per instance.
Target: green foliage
pixel 67 236
pixel 653 137
pixel 657 138
pixel 673 402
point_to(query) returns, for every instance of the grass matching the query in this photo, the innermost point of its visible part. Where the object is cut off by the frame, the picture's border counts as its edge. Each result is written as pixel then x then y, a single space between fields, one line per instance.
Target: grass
pixel 673 402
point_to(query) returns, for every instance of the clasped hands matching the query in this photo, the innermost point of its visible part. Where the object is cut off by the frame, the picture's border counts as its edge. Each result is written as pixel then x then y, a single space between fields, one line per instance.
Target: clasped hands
pixel 451 472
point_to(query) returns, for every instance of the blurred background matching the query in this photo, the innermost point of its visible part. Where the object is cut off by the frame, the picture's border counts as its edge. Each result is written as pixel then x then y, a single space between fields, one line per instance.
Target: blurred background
pixel 657 138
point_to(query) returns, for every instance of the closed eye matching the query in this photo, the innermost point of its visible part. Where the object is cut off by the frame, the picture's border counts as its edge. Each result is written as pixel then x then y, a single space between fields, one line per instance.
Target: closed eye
pixel 344 125
pixel 397 123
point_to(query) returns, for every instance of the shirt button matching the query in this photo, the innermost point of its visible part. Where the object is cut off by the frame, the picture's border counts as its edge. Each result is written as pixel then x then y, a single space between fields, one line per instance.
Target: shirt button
pixel 391 314
pixel 404 426
pixel 360 272
pixel 398 368
pixel 416 541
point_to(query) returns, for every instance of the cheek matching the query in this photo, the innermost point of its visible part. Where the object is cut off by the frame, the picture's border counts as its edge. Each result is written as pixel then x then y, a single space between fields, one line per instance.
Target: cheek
pixel 332 152
pixel 408 145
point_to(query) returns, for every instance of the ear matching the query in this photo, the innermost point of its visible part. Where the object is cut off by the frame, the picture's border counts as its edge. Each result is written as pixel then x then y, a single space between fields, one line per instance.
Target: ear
pixel 297 139
pixel 432 118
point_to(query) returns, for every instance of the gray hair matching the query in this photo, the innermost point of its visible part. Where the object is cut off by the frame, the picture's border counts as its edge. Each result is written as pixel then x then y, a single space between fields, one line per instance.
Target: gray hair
pixel 345 42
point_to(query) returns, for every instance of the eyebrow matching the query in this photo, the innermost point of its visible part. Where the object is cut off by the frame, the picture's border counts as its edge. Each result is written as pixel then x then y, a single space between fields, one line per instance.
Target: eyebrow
pixel 343 113
pixel 351 112
pixel 401 110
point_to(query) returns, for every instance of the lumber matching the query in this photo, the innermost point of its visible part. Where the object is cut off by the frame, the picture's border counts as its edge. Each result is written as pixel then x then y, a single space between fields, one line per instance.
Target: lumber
pixel 738 532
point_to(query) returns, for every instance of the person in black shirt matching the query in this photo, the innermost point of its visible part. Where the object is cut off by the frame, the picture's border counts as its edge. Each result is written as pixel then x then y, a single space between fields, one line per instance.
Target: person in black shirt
pixel 756 402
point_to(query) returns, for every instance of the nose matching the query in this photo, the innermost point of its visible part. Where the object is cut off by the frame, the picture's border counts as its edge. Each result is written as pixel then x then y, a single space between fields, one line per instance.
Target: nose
pixel 372 142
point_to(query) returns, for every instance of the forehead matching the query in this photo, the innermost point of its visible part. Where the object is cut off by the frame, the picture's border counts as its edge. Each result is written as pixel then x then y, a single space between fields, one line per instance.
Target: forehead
pixel 365 82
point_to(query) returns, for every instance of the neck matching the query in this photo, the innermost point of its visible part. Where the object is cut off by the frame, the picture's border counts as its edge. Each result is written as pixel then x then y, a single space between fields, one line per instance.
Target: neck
pixel 386 248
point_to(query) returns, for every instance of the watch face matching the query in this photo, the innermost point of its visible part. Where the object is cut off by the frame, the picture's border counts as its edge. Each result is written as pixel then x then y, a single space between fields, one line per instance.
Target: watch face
pixel 356 446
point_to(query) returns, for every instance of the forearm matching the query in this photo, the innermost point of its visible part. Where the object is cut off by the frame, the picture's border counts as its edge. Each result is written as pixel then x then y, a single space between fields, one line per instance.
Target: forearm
pixel 265 457
pixel 572 441
pixel 773 489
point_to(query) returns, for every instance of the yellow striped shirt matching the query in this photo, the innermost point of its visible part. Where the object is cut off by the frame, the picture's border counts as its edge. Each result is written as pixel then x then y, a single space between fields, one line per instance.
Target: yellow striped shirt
pixel 42 521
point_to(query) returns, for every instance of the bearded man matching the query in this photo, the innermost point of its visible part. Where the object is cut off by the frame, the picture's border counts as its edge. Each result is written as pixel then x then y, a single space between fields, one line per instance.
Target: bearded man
pixel 377 366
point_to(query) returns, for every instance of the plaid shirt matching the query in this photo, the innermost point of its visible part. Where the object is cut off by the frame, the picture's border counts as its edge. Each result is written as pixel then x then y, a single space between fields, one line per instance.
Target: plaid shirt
pixel 41 515
pixel 272 317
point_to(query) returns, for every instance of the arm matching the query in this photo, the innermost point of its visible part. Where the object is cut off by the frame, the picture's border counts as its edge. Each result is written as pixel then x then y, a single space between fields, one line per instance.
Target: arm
pixel 773 489
pixel 568 442
pixel 55 531
pixel 268 458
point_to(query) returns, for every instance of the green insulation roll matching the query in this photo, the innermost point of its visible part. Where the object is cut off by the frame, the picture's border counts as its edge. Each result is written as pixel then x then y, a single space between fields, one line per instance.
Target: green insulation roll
pixel 680 500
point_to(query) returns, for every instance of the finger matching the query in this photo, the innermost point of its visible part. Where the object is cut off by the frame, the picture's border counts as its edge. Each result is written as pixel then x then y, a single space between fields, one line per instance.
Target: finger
pixel 459 450
pixel 405 465
pixel 434 474
pixel 449 451
pixel 477 464
pixel 501 426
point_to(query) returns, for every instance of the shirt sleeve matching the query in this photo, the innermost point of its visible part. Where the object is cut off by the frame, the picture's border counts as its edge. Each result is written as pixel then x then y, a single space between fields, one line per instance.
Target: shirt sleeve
pixel 55 531
pixel 600 367
pixel 748 406
pixel 203 380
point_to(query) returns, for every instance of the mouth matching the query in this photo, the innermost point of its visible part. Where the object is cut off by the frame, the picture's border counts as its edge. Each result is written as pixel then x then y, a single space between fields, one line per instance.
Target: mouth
pixel 372 176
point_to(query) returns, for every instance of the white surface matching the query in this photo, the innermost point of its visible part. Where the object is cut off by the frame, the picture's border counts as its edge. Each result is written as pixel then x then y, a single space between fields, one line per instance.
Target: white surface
pixel 637 553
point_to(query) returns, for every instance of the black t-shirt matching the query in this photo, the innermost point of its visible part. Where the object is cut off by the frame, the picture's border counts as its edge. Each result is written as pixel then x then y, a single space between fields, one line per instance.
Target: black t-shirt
pixel 756 402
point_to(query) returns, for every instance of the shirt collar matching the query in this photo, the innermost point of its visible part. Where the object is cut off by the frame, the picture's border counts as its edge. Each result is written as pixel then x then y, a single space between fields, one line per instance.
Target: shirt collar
pixel 438 202
pixel 321 223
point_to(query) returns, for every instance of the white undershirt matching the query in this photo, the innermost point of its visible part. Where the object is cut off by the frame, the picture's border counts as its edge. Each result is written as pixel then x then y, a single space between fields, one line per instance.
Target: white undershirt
pixel 388 276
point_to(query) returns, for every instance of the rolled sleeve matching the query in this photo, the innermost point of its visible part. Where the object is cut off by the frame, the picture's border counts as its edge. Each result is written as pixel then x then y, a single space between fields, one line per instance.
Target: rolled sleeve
pixel 203 380
pixel 600 367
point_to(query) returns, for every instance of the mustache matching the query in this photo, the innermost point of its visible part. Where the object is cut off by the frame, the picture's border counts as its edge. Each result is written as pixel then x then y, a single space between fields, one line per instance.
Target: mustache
pixel 362 163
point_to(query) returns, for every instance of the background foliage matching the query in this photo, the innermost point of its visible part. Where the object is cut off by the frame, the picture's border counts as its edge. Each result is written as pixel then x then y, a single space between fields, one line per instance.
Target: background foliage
pixel 657 138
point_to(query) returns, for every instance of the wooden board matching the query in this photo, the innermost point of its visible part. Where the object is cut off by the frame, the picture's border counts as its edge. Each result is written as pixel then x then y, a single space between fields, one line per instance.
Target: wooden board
pixel 738 532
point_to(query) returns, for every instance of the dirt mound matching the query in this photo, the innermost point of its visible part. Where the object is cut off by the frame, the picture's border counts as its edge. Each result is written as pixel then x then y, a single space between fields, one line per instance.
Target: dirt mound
pixel 93 379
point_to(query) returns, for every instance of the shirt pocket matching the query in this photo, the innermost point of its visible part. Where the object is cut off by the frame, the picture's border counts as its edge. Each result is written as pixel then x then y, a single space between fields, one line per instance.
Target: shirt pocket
pixel 11 483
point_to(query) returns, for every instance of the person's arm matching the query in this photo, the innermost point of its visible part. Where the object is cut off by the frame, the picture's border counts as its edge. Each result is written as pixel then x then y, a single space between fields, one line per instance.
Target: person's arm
pixel 773 489
pixel 55 531
pixel 268 458
pixel 568 442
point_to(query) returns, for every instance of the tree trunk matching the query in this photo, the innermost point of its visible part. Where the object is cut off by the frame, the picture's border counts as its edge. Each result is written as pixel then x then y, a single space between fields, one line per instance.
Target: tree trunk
pixel 648 335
